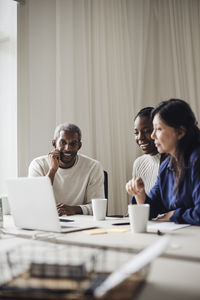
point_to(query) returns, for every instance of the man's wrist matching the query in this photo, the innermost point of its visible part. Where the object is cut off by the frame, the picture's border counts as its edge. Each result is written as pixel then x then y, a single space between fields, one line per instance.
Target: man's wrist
pixel 78 210
pixel 53 171
pixel 51 174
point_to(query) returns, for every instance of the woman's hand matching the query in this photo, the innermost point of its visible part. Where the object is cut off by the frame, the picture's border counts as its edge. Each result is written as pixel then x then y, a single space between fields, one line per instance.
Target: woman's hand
pixel 135 187
pixel 166 217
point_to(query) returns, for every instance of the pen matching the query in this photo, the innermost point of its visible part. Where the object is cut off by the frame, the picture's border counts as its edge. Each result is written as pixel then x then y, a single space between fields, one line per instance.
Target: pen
pixel 159 232
pixel 115 216
pixel 125 223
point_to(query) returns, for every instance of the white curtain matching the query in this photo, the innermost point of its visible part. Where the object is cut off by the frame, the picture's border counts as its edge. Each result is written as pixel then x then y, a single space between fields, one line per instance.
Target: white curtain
pixel 8 91
pixel 113 57
pixel 95 79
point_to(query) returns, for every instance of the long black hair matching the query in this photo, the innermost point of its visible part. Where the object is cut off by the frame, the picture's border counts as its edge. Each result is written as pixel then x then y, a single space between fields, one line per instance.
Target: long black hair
pixel 177 113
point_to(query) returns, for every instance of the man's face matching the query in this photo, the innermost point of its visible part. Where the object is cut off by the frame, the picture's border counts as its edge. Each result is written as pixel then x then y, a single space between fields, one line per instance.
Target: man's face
pixel 68 144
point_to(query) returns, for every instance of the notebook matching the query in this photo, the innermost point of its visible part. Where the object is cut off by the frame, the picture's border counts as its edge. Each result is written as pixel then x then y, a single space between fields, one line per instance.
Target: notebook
pixel 33 205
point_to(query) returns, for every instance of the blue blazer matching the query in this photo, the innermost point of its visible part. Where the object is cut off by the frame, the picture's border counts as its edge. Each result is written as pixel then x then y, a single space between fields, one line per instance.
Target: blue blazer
pixel 186 204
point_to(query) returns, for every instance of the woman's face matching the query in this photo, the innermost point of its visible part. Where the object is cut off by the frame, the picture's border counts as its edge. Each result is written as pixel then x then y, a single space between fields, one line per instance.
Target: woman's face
pixel 165 137
pixel 143 128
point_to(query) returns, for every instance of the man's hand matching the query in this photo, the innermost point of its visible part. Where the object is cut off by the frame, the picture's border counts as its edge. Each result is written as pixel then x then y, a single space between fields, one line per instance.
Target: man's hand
pixel 68 210
pixel 135 187
pixel 54 157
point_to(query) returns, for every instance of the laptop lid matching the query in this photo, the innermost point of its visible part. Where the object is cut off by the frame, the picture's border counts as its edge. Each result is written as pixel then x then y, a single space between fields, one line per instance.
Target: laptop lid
pixel 33 204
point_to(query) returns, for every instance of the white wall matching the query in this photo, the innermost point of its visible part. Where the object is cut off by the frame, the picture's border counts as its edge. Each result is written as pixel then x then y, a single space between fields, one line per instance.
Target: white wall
pixel 8 91
pixel 36 80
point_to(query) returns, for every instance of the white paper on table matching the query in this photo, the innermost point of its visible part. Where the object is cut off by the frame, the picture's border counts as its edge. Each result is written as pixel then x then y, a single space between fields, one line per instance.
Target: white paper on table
pixel 136 264
pixel 164 226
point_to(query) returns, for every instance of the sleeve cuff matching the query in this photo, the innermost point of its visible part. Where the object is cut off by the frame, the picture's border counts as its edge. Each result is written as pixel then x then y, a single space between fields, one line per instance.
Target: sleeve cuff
pixel 133 201
pixel 176 217
pixel 86 209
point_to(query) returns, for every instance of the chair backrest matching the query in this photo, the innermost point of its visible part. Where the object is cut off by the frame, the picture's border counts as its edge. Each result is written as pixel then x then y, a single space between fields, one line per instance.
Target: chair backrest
pixel 106 188
pixel 106 195
pixel 106 184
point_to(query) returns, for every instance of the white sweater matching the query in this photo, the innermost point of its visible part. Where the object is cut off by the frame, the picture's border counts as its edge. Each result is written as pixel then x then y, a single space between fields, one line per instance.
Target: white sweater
pixel 147 167
pixel 76 185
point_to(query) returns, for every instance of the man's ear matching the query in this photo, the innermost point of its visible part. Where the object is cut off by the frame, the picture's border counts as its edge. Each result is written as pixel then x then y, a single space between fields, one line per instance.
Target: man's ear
pixel 54 143
pixel 80 145
pixel 181 132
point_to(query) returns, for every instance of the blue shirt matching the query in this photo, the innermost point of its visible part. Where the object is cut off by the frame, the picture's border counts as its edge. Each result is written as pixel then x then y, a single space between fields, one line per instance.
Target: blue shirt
pixel 186 204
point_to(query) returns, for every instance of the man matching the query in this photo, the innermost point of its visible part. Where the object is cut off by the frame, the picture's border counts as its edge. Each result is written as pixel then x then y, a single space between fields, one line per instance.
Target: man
pixel 76 178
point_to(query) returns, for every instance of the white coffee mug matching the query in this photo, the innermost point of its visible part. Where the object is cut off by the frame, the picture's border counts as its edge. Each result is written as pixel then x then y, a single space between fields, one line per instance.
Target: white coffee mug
pixel 138 216
pixel 99 206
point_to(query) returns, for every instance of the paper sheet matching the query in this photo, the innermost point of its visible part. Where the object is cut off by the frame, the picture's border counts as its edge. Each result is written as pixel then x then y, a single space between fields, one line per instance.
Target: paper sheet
pixel 164 226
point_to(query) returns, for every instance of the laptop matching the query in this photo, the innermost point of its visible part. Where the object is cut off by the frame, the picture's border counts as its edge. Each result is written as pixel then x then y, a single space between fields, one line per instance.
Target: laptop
pixel 33 206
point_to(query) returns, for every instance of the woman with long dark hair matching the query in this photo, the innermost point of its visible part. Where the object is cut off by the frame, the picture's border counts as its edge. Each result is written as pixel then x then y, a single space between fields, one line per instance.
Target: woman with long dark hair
pixel 177 189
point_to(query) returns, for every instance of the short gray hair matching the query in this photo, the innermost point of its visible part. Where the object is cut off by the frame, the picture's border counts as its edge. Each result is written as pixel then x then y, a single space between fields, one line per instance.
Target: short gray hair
pixel 67 127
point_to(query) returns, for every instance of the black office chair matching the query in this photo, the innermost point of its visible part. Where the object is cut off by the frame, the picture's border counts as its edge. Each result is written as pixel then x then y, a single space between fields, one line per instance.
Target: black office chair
pixel 106 184
pixel 106 188
pixel 106 195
